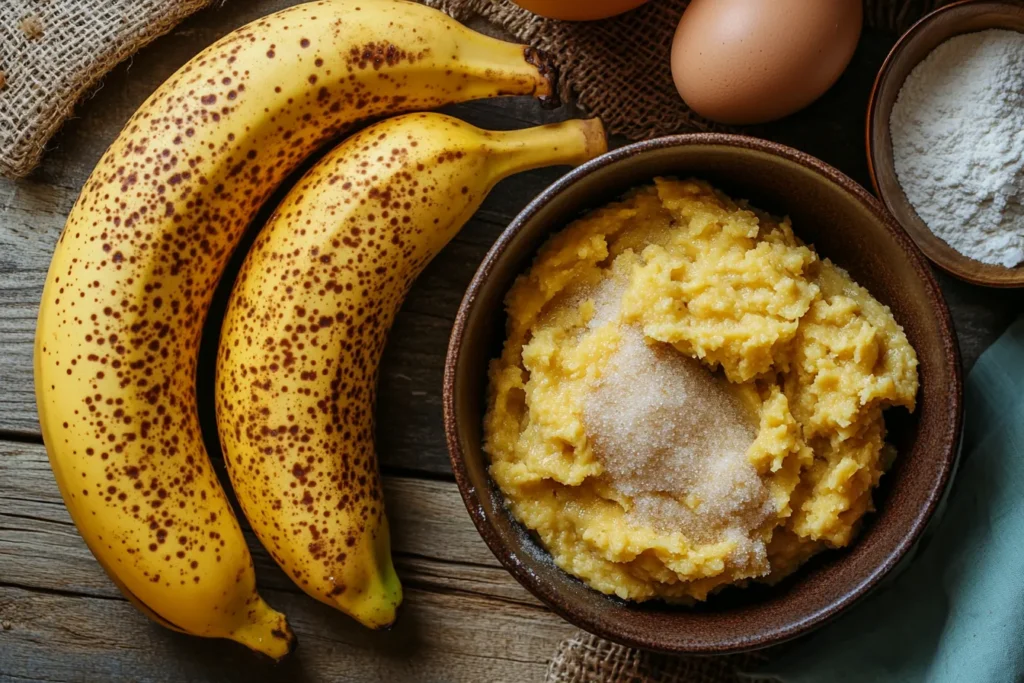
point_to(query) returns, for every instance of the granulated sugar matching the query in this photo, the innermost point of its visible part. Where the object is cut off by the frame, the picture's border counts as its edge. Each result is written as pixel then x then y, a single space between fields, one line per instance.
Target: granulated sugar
pixel 673 437
pixel 607 298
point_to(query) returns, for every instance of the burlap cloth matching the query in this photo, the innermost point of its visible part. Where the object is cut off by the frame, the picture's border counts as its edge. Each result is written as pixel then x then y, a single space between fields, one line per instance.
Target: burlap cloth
pixel 53 51
pixel 585 658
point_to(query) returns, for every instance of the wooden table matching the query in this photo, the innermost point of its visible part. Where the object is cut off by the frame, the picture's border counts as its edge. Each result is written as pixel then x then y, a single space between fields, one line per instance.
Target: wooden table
pixel 464 618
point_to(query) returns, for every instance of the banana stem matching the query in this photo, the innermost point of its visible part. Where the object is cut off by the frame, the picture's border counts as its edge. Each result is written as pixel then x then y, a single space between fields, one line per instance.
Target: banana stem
pixel 515 69
pixel 570 142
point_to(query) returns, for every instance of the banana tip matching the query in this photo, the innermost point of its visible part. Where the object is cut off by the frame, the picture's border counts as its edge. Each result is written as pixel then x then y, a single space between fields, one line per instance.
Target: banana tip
pixel 269 635
pixel 288 640
pixel 376 618
pixel 384 627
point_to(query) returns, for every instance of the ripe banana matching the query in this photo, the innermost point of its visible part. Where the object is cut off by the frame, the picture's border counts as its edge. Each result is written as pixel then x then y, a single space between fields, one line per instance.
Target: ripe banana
pixel 136 266
pixel 306 325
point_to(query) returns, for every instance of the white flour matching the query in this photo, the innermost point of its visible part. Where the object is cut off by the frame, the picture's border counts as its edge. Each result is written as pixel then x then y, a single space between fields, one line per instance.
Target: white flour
pixel 958 144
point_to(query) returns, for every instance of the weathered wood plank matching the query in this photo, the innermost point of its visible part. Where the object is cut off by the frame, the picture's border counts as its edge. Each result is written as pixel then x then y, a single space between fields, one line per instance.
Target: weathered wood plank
pixel 464 617
pixel 31 217
pixel 439 638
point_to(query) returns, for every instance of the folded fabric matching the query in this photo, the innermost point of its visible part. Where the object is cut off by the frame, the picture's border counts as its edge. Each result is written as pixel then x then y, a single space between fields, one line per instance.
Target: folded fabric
pixel 51 53
pixel 956 614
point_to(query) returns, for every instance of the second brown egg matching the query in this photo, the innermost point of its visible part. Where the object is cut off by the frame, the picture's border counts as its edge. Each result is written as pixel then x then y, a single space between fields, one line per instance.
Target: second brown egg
pixel 752 61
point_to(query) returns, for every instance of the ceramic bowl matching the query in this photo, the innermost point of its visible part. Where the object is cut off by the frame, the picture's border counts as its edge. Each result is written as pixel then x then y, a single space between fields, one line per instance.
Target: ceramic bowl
pixel 844 223
pixel 912 48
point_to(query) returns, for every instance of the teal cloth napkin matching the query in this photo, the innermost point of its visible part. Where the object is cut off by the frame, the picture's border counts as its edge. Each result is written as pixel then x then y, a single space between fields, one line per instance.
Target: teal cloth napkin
pixel 956 615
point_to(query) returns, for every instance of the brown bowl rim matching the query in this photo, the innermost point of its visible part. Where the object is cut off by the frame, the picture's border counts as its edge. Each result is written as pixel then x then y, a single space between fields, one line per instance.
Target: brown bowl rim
pixel 743 642
pixel 943 256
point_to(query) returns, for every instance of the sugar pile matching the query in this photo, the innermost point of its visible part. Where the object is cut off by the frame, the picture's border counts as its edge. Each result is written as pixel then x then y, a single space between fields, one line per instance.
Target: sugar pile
pixel 607 299
pixel 673 437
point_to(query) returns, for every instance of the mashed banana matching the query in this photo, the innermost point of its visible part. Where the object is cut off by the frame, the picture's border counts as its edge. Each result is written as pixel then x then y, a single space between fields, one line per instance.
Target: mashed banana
pixel 689 397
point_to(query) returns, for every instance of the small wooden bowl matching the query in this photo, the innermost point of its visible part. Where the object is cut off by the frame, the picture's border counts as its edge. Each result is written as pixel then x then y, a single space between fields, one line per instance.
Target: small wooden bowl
pixel 846 224
pixel 927 34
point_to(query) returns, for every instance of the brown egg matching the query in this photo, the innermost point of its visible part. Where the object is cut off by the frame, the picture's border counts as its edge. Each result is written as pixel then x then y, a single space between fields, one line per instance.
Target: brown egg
pixel 578 10
pixel 751 61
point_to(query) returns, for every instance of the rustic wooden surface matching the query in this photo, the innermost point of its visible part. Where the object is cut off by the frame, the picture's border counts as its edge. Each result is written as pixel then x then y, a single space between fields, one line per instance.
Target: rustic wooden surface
pixel 464 619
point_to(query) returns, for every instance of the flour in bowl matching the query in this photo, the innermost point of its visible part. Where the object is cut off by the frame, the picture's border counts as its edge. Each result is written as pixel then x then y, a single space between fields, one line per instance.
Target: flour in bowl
pixel 958 144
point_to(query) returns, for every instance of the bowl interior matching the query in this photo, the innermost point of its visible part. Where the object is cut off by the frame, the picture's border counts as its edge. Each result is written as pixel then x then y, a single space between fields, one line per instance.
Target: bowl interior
pixel 844 224
pixel 919 41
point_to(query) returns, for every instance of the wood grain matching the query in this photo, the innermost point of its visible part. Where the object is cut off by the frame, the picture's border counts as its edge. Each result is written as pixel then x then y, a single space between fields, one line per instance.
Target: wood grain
pixel 464 618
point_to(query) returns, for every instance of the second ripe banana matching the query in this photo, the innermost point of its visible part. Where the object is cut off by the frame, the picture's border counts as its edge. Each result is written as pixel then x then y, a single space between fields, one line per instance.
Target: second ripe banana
pixel 307 322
